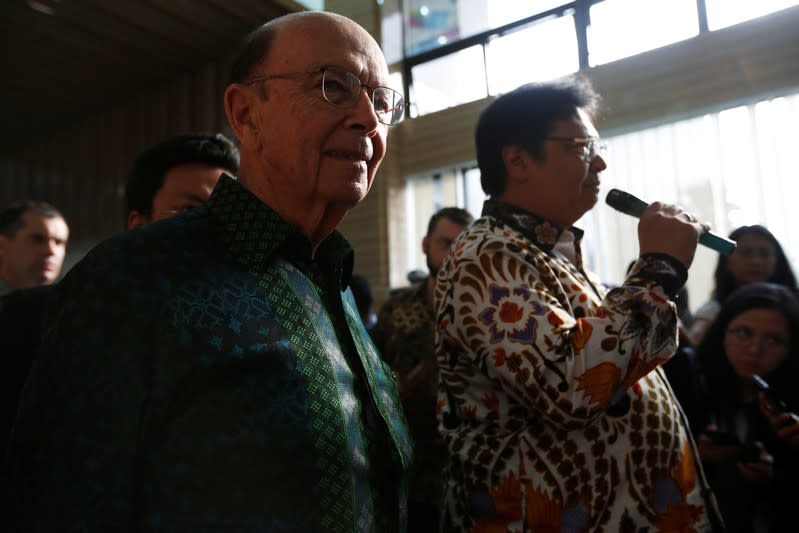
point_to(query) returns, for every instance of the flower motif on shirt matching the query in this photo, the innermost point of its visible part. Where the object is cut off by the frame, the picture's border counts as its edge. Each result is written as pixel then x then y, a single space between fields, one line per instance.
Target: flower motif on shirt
pixel 599 382
pixel 582 333
pixel 491 402
pixel 510 314
pixel 546 233
pixel 499 356
pixel 639 367
pixel 671 492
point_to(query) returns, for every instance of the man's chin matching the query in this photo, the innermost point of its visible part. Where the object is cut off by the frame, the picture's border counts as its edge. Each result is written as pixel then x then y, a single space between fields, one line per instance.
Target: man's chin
pixel 47 278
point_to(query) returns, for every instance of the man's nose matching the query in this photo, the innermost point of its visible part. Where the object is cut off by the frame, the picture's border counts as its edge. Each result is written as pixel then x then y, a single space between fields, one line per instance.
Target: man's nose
pixel 51 247
pixel 363 111
pixel 598 163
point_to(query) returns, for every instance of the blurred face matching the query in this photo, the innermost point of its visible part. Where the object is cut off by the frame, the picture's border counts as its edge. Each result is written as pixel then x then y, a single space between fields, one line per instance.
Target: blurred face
pixel 185 186
pixel 757 342
pixel 436 245
pixel 564 185
pixel 314 153
pixel 34 255
pixel 754 259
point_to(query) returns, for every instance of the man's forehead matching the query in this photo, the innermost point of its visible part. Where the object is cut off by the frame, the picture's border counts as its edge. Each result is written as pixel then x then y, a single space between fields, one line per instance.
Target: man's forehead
pixel 317 43
pixel 448 226
pixel 579 125
pixel 51 224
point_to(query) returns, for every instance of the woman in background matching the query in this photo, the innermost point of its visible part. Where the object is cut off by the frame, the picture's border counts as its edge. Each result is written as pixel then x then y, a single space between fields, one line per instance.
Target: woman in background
pixel 749 443
pixel 758 256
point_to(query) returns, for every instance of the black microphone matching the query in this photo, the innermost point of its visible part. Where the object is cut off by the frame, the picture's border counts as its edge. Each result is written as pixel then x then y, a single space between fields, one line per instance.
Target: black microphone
pixel 630 205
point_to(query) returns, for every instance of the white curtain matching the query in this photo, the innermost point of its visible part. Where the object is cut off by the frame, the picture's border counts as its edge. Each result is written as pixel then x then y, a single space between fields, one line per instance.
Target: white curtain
pixel 731 168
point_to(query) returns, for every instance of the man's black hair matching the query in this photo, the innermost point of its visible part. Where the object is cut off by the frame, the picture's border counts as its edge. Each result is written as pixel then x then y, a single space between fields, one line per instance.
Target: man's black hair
pixel 525 117
pixel 11 215
pixel 151 166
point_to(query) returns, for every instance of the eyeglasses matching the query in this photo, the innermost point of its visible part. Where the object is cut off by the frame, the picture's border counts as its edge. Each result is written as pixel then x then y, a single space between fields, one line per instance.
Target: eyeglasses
pixel 745 336
pixel 590 147
pixel 341 88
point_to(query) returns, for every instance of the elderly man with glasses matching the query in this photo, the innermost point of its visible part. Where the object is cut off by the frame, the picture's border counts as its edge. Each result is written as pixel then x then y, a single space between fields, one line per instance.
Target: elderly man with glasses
pixel 211 372
pixel 551 405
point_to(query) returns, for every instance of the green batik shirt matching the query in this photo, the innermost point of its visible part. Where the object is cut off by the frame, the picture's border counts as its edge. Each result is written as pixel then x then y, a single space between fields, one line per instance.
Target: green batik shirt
pixel 206 373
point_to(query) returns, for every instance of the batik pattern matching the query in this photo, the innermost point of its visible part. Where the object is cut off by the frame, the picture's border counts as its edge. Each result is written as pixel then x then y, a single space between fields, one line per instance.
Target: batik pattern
pixel 553 411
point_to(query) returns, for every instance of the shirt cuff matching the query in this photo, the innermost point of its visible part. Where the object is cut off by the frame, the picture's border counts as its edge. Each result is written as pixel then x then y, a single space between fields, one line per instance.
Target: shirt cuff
pixel 663 269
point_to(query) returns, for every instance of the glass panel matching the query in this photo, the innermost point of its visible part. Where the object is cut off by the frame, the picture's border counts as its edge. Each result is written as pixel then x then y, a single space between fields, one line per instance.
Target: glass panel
pixel 452 80
pixel 391 31
pixel 723 13
pixel 622 28
pixel 516 58
pixel 395 81
pixel 433 23
pixel 430 24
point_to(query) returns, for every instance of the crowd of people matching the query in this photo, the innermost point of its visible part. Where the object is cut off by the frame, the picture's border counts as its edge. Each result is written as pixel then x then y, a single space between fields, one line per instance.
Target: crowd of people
pixel 217 366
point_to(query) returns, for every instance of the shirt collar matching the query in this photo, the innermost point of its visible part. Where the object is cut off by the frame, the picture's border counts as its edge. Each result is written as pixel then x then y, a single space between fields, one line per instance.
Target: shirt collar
pixel 541 232
pixel 254 233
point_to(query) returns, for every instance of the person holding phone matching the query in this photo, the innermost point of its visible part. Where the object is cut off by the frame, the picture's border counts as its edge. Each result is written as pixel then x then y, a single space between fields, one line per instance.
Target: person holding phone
pixel 748 435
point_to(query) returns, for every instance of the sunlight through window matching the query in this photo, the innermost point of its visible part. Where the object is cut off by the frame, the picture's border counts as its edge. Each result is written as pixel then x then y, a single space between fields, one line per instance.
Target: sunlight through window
pixel 452 80
pixel 723 13
pixel 622 28
pixel 540 52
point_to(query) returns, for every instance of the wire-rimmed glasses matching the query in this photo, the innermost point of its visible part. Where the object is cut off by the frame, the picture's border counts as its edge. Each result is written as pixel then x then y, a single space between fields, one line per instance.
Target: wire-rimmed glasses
pixel 341 89
pixel 590 147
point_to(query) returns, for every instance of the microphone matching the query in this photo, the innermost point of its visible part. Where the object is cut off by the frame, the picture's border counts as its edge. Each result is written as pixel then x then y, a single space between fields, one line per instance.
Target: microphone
pixel 630 205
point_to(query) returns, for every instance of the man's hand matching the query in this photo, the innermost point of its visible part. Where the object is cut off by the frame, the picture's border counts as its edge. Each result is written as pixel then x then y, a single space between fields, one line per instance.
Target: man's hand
pixel 668 229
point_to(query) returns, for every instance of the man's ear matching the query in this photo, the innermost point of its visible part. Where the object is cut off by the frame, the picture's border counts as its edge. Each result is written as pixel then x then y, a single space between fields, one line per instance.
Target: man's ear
pixel 518 163
pixel 242 113
pixel 136 219
pixel 426 244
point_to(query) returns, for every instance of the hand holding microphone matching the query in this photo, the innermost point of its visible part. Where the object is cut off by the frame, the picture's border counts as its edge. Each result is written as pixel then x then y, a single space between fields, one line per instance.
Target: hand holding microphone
pixel 666 228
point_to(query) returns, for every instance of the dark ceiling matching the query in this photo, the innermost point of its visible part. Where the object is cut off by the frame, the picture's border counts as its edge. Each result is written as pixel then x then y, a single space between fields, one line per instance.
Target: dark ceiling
pixel 65 59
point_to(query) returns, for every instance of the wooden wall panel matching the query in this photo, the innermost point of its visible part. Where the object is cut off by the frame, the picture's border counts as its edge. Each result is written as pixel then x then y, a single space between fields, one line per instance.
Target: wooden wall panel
pixel 82 169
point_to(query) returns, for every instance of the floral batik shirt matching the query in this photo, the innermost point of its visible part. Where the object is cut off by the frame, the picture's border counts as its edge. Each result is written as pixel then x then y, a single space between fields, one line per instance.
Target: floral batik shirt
pixel 554 412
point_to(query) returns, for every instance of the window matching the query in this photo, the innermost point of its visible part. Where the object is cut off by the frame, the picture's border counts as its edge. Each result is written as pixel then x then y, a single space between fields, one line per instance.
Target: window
pixel 433 23
pixel 622 28
pixel 723 13
pixel 542 51
pixel 449 81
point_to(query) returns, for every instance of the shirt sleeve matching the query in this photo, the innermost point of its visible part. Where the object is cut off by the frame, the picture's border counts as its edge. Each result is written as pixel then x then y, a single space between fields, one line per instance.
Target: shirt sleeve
pixel 545 336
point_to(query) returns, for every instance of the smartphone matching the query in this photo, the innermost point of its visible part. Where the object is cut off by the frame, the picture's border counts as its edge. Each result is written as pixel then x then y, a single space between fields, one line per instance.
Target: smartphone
pixel 774 401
